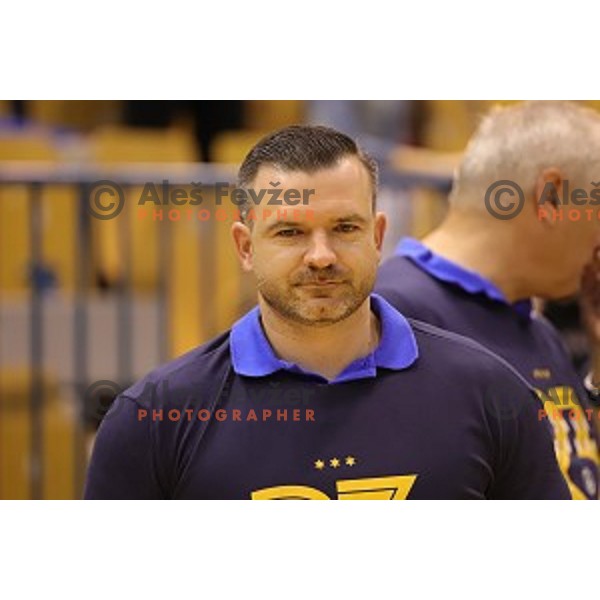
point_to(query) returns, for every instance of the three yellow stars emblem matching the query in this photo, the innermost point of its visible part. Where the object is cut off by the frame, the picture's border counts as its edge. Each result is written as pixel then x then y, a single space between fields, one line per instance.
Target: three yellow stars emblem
pixel 335 463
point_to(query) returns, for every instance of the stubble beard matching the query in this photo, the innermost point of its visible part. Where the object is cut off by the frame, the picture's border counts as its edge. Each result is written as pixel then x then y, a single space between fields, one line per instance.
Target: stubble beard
pixel 293 304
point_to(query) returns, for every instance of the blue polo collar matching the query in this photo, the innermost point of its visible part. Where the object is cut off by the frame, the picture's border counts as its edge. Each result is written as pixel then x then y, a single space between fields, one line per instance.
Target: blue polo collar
pixel 445 270
pixel 253 356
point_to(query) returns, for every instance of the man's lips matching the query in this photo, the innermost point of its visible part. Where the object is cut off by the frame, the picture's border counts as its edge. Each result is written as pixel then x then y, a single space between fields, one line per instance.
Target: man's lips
pixel 320 283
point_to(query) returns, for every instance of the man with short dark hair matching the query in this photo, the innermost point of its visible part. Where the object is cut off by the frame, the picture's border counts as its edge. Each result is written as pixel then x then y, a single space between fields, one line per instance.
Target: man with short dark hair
pixel 324 390
pixel 478 271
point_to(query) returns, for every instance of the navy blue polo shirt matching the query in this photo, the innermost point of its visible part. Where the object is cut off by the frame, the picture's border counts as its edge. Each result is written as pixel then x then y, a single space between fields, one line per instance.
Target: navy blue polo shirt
pixel 427 415
pixel 426 286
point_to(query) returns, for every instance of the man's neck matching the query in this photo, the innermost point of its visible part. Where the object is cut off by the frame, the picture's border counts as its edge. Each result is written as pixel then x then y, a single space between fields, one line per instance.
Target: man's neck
pixel 491 254
pixel 324 350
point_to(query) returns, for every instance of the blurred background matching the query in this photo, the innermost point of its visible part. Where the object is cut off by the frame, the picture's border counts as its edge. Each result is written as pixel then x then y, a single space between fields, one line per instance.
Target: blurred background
pixel 89 305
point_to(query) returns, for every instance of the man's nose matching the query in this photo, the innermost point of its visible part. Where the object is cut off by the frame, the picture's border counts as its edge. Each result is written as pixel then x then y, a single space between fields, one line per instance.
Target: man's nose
pixel 320 254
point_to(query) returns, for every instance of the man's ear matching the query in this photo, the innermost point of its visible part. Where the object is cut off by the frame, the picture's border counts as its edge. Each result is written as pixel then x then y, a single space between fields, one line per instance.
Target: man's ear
pixel 379 230
pixel 548 189
pixel 242 239
pixel 548 194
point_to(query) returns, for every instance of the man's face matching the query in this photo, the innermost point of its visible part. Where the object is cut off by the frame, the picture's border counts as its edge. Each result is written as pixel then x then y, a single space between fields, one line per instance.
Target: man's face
pixel 315 264
pixel 578 235
pixel 570 232
pixel 581 240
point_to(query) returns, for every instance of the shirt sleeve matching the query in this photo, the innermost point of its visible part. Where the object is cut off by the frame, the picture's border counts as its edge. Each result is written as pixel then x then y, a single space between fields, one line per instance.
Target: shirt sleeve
pixel 527 468
pixel 122 463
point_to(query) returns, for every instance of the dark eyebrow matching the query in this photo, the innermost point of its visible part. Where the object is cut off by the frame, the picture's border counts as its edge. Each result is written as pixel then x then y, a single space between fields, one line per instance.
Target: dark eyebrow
pixel 353 217
pixel 282 224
